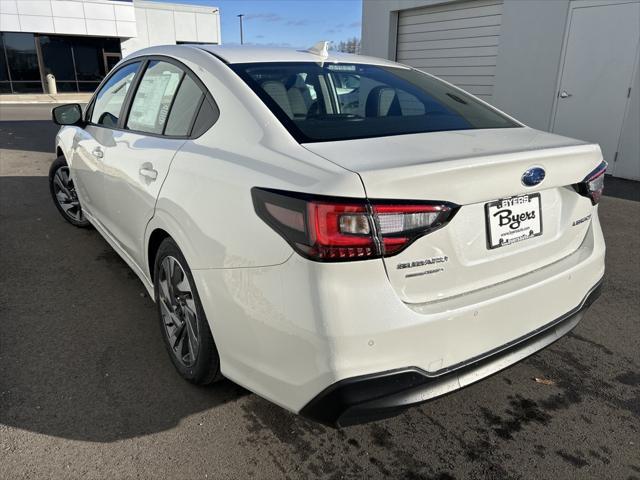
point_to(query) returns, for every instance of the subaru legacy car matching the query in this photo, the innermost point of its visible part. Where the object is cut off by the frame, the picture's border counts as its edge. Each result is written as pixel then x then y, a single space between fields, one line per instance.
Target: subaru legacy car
pixel 344 236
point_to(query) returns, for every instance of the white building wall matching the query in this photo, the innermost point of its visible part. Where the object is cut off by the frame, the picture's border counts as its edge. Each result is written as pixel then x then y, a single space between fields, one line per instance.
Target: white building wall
pixel 529 59
pixel 69 17
pixel 165 23
pixel 139 24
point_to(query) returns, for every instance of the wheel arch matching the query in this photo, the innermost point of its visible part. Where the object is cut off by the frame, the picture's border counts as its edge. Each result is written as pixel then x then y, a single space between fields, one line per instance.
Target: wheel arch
pixel 160 227
pixel 155 239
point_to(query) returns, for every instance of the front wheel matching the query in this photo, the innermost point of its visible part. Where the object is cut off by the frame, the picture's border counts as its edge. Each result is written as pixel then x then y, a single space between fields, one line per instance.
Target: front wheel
pixel 183 323
pixel 64 195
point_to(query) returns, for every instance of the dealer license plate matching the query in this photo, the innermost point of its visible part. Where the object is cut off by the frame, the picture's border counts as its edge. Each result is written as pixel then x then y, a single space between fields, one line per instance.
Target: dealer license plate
pixel 513 220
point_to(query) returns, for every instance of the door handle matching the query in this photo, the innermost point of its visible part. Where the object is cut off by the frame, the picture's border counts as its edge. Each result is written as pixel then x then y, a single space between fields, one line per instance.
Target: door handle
pixel 97 152
pixel 147 171
pixel 565 94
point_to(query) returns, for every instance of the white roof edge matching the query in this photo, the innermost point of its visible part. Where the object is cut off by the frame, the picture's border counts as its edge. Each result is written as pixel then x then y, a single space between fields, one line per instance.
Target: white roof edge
pixel 257 54
pixel 176 6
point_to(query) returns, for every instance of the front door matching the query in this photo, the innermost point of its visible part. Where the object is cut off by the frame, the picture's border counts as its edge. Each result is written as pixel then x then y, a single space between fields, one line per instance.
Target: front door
pixel 87 168
pixel 600 54
pixel 92 144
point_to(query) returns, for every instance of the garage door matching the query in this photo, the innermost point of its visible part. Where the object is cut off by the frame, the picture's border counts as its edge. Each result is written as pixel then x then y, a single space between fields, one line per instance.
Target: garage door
pixel 457 42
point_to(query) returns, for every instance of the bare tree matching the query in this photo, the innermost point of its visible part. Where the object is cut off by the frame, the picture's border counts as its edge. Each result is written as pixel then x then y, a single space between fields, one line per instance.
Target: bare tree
pixel 351 45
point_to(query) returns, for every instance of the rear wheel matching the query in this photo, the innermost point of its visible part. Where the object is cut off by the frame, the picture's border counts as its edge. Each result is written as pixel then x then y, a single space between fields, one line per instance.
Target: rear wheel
pixel 183 323
pixel 63 192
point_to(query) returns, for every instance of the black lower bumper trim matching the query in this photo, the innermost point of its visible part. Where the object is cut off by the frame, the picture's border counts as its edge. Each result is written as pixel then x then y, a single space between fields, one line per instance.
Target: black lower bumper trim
pixel 381 395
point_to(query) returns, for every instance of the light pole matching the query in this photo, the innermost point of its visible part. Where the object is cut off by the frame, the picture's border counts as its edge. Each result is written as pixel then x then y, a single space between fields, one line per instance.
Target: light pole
pixel 241 32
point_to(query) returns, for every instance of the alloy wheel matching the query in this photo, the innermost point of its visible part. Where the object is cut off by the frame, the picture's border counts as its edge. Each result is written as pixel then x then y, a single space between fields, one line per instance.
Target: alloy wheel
pixel 179 313
pixel 65 193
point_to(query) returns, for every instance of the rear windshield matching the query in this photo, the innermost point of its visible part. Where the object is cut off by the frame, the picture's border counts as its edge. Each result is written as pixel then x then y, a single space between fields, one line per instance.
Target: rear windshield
pixel 338 101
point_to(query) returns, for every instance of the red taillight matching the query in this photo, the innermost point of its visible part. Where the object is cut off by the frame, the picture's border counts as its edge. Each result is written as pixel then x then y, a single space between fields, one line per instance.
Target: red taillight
pixel 334 229
pixel 593 185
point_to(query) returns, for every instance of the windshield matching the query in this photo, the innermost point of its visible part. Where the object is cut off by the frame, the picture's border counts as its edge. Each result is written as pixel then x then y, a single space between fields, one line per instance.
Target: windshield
pixel 339 101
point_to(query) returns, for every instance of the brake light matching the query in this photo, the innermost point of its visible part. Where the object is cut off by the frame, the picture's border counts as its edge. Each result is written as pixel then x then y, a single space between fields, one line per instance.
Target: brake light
pixel 338 229
pixel 593 184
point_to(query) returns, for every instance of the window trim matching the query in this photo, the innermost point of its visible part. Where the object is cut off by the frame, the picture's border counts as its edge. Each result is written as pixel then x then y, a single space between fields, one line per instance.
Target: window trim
pixel 128 101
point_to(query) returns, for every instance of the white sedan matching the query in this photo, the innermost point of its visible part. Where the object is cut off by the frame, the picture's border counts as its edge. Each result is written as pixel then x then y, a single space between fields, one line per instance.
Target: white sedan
pixel 342 235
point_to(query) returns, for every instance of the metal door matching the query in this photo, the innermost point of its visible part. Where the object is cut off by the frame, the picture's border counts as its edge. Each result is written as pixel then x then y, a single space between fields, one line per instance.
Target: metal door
pixel 596 77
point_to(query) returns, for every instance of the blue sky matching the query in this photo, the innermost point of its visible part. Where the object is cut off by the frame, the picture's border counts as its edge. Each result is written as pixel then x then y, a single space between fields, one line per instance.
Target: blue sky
pixel 289 23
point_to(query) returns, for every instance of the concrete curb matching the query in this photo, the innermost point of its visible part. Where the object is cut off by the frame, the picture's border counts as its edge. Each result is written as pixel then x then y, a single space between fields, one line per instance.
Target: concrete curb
pixel 18 99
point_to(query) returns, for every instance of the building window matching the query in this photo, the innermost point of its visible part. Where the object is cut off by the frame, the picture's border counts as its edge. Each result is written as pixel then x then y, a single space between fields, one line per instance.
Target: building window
pixel 57 56
pixel 78 63
pixel 21 63
pixel 90 68
pixel 5 86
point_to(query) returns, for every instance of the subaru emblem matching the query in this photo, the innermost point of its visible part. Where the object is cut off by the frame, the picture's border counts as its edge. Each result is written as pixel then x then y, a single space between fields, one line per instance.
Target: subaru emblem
pixel 533 176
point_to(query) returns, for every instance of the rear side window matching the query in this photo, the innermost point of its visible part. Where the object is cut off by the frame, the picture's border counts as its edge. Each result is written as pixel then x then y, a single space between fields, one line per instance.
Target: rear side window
pixel 154 96
pixel 109 100
pixel 337 101
pixel 185 107
pixel 207 116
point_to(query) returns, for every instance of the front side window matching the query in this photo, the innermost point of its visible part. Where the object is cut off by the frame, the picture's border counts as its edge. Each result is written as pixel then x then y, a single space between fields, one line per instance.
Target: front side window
pixel 110 98
pixel 154 96
pixel 335 101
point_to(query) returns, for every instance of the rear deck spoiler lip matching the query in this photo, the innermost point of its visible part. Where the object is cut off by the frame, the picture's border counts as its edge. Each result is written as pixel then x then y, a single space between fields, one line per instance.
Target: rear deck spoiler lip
pixel 586 145
pixel 575 143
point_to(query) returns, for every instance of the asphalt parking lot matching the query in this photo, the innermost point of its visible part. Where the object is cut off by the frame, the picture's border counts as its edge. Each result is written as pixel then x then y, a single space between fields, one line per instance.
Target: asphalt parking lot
pixel 87 390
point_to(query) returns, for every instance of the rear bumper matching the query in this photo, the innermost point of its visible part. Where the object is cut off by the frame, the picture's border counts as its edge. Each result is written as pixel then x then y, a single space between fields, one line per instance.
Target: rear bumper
pixel 385 394
pixel 289 332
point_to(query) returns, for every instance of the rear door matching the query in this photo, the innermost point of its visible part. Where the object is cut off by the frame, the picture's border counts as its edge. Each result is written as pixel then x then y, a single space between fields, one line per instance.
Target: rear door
pixel 160 120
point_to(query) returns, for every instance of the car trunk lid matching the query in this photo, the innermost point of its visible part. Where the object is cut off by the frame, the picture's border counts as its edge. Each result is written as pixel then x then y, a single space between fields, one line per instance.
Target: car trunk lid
pixel 472 169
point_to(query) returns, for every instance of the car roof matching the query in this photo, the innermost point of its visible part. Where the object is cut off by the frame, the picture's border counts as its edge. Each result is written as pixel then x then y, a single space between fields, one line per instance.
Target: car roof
pixel 259 54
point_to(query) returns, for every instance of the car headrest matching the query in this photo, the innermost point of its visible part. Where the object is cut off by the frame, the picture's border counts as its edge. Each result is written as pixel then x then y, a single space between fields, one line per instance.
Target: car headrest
pixel 295 81
pixel 382 102
pixel 278 93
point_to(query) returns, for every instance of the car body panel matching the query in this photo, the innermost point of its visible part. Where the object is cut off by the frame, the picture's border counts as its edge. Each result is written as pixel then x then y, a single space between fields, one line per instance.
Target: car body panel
pixel 228 234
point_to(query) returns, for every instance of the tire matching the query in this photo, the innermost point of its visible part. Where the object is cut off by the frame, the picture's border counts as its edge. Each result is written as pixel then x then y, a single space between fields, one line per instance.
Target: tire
pixel 177 302
pixel 64 195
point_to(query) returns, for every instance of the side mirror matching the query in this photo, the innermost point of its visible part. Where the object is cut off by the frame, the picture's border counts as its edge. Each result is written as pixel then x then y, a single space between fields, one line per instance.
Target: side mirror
pixel 70 114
